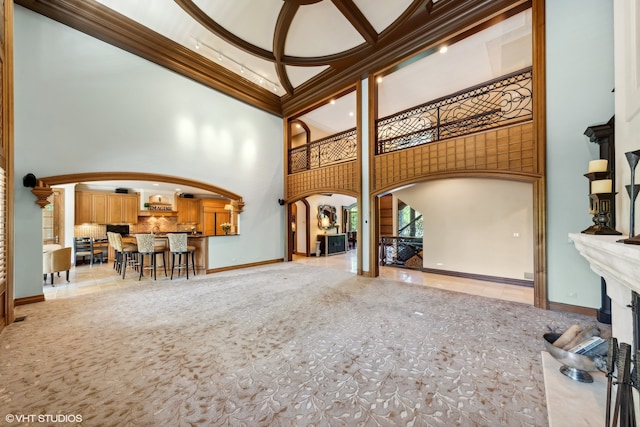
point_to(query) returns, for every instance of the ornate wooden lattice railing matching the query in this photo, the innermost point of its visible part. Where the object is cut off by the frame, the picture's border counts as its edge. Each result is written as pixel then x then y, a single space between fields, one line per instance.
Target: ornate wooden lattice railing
pixel 500 102
pixel 328 151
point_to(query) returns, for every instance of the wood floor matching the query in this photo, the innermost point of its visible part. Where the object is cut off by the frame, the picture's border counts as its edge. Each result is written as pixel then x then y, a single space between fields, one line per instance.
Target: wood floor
pixel 85 279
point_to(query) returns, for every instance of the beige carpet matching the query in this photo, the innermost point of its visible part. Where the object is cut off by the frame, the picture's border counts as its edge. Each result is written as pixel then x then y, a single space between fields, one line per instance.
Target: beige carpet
pixel 283 344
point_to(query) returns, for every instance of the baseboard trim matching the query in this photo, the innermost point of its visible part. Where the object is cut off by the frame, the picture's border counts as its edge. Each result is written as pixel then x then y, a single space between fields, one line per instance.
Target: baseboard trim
pixel 577 309
pixel 495 279
pixel 28 300
pixel 239 266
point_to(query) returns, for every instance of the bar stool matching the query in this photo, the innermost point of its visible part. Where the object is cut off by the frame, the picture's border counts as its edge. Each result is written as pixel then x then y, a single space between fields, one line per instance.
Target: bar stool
pixel 178 246
pixel 128 253
pixel 146 247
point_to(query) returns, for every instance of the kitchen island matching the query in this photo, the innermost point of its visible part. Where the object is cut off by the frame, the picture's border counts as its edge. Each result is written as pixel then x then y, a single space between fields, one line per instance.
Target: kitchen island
pixel 199 241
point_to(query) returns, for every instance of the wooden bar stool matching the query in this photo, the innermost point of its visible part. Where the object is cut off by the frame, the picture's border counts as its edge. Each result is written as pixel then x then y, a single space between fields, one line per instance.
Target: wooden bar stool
pixel 178 246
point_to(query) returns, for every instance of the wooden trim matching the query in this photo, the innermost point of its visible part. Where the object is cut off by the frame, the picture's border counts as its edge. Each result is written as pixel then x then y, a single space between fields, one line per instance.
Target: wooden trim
pixel 374 205
pixel 136 176
pixel 540 295
pixel 28 300
pixel 558 306
pixel 8 143
pixel 240 266
pixel 483 277
pixel 358 177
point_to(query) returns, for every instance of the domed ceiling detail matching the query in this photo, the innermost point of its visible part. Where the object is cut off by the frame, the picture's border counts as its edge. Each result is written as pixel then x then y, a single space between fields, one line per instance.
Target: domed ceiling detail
pixel 283 50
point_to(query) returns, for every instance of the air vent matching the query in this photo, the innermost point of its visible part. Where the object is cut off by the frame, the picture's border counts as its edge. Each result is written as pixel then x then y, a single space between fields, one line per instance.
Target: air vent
pixel 122 190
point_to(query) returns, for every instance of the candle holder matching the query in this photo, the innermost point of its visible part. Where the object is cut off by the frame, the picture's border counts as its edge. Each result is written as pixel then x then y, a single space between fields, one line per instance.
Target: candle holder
pixel 601 206
pixel 632 190
pixel 594 176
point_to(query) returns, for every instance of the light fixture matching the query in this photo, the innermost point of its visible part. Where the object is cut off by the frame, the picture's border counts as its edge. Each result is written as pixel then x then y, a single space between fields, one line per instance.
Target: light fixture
pixel 332 102
pixel 246 72
pixel 379 79
pixel 443 49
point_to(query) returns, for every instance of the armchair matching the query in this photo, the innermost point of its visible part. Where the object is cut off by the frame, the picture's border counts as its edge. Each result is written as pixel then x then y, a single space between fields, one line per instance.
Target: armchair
pixel 56 261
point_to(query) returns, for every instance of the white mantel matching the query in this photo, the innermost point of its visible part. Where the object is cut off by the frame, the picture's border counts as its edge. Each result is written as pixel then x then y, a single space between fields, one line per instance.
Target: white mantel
pixel 619 264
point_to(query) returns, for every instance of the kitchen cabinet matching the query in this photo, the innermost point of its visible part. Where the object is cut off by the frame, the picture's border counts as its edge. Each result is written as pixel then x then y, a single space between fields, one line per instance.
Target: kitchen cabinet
pixel 91 207
pixel 212 215
pixel 106 208
pixel 122 208
pixel 188 210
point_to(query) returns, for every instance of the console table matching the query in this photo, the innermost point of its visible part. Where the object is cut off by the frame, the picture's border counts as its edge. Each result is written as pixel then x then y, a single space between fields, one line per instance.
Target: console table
pixel 332 244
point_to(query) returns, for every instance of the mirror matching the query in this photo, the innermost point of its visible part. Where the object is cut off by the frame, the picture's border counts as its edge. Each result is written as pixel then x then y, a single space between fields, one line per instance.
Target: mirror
pixel 326 217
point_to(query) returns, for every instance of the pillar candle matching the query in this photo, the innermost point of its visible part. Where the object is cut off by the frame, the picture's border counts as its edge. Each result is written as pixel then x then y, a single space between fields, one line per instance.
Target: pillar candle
pixel 598 165
pixel 601 186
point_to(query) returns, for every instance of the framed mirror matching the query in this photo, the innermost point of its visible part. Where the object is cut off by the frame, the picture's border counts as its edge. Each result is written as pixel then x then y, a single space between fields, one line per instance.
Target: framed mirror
pixel 326 217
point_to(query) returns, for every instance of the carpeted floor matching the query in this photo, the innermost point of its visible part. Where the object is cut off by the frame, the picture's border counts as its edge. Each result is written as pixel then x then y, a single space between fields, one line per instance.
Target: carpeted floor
pixel 282 344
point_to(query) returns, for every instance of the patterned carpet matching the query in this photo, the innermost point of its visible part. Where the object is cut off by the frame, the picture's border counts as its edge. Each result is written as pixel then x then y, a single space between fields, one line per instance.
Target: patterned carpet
pixel 283 344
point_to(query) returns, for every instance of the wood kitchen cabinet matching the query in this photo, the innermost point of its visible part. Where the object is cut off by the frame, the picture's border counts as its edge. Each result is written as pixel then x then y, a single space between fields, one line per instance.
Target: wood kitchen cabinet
pixel 122 208
pixel 106 208
pixel 188 210
pixel 212 215
pixel 91 207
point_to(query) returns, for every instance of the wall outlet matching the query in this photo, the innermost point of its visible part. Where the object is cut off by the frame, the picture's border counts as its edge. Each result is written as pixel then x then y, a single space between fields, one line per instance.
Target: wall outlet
pixel 528 276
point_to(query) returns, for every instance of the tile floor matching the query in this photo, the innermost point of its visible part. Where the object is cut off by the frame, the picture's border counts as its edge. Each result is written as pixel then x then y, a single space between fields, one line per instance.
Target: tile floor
pixel 85 279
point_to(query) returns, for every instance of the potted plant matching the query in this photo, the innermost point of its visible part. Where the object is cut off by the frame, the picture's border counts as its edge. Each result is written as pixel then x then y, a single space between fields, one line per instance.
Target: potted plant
pixel 226 227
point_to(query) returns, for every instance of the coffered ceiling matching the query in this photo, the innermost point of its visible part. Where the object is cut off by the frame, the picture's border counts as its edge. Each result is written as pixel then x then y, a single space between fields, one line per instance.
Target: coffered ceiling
pixel 282 56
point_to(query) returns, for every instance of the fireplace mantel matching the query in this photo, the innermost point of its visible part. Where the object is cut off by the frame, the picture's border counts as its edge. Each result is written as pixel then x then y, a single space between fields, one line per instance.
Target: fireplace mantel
pixel 608 258
pixel 619 264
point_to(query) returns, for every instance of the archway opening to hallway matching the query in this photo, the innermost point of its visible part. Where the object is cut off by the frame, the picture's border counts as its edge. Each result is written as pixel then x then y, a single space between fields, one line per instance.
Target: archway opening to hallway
pixel 475 229
pixel 323 225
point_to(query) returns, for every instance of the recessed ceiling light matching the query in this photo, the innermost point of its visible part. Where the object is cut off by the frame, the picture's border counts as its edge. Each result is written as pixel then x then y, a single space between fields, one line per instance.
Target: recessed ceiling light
pixel 350 113
pixel 298 125
pixel 333 101
pixel 379 79
pixel 177 189
pixel 156 185
pixel 443 49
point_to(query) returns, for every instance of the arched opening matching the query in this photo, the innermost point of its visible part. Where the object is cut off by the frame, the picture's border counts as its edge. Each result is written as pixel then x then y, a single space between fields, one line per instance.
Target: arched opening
pixel 475 226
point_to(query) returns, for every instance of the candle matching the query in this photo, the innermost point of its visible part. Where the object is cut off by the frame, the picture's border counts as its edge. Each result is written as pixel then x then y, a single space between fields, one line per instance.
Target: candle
pixel 598 165
pixel 601 186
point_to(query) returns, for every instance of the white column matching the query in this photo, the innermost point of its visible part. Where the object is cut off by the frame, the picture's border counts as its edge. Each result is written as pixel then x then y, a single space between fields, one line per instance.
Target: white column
pixel 364 241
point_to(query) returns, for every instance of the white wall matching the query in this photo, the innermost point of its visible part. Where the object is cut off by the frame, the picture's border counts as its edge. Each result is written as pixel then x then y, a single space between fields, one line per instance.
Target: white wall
pixel 580 78
pixel 478 226
pixel 82 105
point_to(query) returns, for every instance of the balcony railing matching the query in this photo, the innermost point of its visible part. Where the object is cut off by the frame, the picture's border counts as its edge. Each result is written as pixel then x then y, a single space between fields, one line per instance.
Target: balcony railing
pixel 328 151
pixel 398 251
pixel 496 103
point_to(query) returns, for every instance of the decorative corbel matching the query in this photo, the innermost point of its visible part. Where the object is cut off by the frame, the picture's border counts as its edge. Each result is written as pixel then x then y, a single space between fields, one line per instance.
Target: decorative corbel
pixel 237 205
pixel 41 190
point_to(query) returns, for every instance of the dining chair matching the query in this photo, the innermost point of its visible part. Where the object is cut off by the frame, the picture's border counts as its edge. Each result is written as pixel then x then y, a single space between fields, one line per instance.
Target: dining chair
pixel 83 247
pixel 178 246
pixel 56 261
pixel 128 253
pixel 146 247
